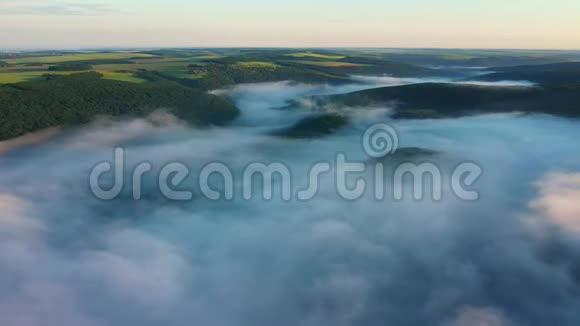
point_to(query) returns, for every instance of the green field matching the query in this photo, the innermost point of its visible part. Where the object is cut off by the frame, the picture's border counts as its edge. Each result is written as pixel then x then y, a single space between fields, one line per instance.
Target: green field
pixel 20 71
pixel 22 76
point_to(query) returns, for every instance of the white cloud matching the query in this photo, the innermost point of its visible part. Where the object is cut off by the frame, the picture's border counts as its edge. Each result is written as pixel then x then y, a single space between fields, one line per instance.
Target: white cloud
pixel 559 200
pixel 136 265
pixel 477 316
pixel 13 217
pixel 41 304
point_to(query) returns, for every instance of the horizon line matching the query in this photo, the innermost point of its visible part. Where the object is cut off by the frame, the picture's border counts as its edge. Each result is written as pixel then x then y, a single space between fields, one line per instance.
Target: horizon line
pixel 33 49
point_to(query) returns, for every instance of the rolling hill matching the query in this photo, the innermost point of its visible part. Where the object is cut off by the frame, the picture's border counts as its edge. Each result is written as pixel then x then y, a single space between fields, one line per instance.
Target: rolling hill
pixel 559 74
pixel 441 100
pixel 79 98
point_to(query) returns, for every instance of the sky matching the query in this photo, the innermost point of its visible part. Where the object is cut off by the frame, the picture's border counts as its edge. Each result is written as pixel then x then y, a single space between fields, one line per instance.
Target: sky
pixel 534 24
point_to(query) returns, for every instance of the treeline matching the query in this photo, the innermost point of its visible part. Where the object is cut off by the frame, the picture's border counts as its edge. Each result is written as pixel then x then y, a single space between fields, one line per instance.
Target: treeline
pixel 314 126
pixel 71 67
pixel 79 98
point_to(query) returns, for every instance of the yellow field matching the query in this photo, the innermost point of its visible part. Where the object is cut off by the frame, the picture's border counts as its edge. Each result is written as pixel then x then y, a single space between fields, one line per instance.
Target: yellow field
pixel 77 57
pixel 16 77
pixel 121 76
pixel 332 64
pixel 315 55
pixel 256 64
pixel 208 57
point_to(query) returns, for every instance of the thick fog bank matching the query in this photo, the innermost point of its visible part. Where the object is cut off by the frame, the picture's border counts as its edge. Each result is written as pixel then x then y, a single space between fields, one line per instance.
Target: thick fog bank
pixel 510 258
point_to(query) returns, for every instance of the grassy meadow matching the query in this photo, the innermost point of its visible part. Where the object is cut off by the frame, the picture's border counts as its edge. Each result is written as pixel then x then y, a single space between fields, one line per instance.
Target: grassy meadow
pixel 23 76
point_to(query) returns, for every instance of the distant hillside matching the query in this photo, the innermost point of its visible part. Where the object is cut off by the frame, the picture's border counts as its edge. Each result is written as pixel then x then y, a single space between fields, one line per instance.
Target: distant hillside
pixel 366 66
pixel 561 66
pixel 440 100
pixel 478 58
pixel 559 74
pixel 307 68
pixel 218 68
pixel 79 98
pixel 220 74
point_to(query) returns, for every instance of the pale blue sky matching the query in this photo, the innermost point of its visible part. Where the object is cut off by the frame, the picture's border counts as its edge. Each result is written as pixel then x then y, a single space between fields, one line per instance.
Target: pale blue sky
pixel 302 23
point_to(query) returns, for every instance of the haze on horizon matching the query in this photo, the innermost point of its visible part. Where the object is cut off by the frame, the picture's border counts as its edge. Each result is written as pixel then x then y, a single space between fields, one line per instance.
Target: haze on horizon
pixel 537 24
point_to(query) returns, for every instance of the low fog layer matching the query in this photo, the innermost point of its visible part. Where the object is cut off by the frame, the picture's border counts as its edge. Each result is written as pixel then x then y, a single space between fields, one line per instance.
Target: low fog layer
pixel 511 258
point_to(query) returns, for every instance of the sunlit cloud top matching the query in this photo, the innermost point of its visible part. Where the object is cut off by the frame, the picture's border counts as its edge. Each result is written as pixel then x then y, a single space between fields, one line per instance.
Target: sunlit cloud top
pixel 300 23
